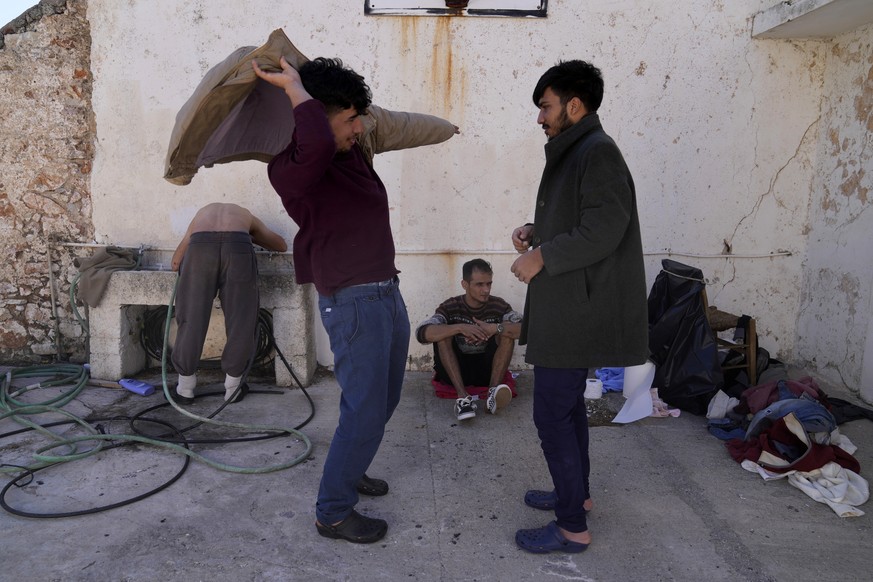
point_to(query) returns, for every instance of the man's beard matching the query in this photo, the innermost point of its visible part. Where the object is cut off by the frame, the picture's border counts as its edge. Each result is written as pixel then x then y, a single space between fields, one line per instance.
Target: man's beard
pixel 563 123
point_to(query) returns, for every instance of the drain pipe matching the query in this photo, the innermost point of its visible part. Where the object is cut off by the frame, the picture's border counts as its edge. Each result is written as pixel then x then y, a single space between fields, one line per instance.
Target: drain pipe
pixel 54 297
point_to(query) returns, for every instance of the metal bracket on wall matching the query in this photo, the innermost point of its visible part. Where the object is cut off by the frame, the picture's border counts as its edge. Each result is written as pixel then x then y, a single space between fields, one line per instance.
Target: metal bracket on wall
pixel 506 8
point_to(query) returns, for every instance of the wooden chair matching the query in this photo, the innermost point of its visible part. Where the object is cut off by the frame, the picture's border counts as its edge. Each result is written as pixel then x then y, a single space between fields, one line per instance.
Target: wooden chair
pixel 724 321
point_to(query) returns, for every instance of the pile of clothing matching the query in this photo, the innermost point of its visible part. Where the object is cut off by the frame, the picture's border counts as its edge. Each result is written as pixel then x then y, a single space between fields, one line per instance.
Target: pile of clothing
pixel 788 429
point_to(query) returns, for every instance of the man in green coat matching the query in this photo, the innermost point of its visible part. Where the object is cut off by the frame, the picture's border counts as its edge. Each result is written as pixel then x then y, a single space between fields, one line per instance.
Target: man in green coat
pixel 582 259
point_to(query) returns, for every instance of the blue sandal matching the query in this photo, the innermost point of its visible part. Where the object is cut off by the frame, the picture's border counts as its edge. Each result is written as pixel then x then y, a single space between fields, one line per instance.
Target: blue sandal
pixel 547 539
pixel 541 499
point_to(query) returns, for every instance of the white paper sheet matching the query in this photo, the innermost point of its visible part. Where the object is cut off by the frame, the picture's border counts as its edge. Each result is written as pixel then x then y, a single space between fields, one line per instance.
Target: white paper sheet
pixel 637 392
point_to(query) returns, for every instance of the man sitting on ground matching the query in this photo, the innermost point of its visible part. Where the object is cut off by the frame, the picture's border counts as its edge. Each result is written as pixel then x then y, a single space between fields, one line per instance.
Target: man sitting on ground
pixel 473 336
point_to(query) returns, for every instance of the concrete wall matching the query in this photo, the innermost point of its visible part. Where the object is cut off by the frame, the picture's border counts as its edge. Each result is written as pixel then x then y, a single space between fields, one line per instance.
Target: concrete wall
pixel 835 322
pixel 719 130
pixel 731 141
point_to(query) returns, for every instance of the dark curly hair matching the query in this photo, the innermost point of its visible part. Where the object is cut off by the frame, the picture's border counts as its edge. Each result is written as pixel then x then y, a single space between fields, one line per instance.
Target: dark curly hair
pixel 570 79
pixel 335 85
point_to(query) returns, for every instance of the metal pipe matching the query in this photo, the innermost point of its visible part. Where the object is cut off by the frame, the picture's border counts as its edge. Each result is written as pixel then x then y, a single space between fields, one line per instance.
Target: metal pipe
pixel 724 256
pixel 412 252
pixel 53 299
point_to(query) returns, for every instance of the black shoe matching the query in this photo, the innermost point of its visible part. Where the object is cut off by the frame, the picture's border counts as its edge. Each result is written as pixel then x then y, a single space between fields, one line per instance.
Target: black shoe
pixel 179 399
pixel 372 487
pixel 465 408
pixel 241 393
pixel 356 528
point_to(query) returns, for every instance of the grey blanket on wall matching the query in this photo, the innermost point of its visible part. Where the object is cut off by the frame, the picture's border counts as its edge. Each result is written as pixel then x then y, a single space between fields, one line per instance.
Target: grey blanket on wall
pixel 94 272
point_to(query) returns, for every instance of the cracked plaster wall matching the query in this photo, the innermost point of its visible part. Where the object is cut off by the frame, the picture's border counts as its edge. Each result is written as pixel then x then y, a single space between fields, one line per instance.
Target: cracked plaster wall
pixel 722 133
pixel 719 131
pixel 835 323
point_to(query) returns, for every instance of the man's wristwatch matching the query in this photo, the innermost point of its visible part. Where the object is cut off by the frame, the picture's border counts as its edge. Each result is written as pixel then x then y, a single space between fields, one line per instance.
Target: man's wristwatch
pixel 499 328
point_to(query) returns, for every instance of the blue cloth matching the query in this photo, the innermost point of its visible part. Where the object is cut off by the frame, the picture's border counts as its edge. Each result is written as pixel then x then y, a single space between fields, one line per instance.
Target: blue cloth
pixel 612 378
pixel 562 423
pixel 810 412
pixel 726 429
pixel 368 327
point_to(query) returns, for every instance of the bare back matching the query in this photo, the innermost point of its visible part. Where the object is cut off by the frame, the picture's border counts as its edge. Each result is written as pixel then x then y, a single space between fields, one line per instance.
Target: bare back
pixel 225 217
pixel 221 217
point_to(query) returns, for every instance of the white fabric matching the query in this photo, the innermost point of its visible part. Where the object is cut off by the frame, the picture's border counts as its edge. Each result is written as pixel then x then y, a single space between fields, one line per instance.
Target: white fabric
pixel 842 441
pixel 766 475
pixel 720 404
pixel 839 488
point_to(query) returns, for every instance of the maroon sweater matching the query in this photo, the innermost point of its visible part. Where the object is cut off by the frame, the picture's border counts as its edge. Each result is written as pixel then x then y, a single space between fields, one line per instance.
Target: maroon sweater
pixel 339 203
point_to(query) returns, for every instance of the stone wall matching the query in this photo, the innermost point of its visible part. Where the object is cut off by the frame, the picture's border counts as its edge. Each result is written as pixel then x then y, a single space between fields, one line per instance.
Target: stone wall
pixel 46 156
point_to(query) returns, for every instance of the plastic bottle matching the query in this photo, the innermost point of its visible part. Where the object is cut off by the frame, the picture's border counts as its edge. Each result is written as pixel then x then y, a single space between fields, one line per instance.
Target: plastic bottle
pixel 137 386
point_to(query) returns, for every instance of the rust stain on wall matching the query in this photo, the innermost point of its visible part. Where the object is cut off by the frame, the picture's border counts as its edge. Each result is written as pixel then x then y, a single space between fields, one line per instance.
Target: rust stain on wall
pixel 408 30
pixel 441 73
pixel 441 61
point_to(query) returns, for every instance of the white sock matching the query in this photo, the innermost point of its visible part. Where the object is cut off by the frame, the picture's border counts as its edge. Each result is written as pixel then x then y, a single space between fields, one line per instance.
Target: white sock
pixel 231 383
pixel 186 385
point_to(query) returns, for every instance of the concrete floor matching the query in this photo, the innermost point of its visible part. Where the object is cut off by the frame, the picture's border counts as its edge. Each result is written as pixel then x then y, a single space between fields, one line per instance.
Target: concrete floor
pixel 670 502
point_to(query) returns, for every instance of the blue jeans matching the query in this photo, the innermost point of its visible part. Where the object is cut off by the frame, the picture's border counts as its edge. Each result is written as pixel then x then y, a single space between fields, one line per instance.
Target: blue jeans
pixel 562 424
pixel 369 335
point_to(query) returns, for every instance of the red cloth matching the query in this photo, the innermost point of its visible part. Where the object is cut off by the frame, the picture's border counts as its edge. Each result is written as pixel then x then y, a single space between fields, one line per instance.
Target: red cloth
pixel 811 455
pixel 448 391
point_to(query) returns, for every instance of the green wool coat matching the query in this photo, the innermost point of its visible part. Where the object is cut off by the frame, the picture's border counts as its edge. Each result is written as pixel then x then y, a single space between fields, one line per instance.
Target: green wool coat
pixel 587 307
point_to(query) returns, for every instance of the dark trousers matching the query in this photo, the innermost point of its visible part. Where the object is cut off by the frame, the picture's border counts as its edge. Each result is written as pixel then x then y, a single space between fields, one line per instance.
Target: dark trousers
pixel 475 368
pixel 562 424
pixel 221 263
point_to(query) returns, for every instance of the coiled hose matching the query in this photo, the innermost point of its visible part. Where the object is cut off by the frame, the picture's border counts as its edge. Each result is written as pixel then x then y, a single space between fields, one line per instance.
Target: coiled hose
pixel 76 377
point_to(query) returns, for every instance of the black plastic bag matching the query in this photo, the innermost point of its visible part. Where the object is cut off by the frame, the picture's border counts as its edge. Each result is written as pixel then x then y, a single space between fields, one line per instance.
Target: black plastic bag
pixel 682 345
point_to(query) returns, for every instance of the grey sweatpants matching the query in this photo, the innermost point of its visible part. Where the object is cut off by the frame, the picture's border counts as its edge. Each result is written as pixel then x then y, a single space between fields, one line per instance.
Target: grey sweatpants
pixel 221 263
